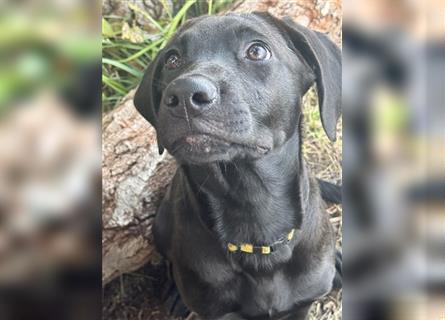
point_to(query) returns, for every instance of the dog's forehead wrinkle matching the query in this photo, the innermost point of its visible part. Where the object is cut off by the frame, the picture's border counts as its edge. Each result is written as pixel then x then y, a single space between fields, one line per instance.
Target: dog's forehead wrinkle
pixel 234 26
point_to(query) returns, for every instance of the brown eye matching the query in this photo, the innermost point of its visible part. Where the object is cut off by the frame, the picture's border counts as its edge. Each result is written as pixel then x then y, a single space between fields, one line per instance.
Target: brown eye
pixel 173 61
pixel 257 52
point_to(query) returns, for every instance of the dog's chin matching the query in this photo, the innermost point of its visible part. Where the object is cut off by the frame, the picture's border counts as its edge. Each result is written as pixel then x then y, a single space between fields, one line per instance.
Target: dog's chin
pixel 204 148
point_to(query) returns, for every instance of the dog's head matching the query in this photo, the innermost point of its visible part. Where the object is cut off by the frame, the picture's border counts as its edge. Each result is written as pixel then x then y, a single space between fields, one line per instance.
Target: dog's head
pixel 231 86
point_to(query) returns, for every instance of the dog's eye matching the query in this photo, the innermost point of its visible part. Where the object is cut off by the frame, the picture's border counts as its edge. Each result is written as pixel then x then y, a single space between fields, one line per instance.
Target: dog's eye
pixel 257 52
pixel 173 61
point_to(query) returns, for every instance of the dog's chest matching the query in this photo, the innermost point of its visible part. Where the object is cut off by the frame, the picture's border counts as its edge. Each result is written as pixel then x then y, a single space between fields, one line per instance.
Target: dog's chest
pixel 266 295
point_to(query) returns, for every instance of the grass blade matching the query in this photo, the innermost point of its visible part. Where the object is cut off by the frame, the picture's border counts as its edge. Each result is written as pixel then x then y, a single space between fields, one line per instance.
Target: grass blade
pixel 122 66
pixel 114 85
pixel 174 23
pixel 107 29
pixel 146 15
pixel 141 52
pixel 167 8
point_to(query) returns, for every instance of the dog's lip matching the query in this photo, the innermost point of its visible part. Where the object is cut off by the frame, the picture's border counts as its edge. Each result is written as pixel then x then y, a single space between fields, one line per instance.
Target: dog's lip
pixel 197 138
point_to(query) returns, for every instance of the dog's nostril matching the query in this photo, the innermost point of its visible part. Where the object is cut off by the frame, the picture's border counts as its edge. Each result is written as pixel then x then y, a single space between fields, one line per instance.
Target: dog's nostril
pixel 172 101
pixel 201 98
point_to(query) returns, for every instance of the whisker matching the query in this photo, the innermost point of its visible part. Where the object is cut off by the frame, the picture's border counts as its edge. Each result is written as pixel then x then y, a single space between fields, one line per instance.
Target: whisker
pixel 202 184
pixel 187 118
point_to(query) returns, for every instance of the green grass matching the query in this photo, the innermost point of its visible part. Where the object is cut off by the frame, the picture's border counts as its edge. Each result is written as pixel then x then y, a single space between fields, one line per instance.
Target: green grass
pixel 127 48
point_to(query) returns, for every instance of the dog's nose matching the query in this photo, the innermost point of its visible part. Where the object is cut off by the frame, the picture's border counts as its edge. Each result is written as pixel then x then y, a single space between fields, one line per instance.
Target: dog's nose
pixel 196 92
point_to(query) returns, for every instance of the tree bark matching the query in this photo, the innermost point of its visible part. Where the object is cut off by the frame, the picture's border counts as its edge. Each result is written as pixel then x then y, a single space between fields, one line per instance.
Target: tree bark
pixel 135 178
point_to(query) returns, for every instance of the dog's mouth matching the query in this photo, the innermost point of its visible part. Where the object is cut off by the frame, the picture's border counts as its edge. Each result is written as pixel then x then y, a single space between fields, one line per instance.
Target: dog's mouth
pixel 207 146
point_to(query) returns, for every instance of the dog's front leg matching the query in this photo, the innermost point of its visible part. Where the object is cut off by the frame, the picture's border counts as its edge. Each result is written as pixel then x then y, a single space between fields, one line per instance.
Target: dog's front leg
pixel 230 316
pixel 171 299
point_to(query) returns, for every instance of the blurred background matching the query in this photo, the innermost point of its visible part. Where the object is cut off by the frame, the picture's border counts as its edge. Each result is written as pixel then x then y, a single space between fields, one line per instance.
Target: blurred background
pixel 394 159
pixel 50 223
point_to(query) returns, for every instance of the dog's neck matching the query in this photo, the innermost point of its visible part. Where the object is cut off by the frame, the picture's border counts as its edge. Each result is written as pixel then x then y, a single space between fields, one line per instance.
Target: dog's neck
pixel 256 201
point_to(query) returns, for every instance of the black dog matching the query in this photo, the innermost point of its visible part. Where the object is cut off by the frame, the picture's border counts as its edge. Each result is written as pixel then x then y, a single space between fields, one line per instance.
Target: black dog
pixel 243 223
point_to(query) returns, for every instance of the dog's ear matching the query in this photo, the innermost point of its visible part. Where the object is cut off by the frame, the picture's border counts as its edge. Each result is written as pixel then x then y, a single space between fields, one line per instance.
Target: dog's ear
pixel 324 58
pixel 148 96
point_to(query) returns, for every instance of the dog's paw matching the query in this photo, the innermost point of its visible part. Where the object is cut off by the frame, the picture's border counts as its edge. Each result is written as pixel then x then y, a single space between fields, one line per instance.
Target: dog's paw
pixel 338 279
pixel 171 298
pixel 173 303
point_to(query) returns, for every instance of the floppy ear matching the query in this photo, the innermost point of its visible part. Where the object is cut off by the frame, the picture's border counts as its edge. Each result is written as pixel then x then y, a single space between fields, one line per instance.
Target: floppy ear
pixel 324 58
pixel 148 96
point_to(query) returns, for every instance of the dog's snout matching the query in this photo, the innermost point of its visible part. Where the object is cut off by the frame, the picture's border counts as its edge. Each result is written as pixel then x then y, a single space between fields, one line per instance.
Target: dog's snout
pixel 196 92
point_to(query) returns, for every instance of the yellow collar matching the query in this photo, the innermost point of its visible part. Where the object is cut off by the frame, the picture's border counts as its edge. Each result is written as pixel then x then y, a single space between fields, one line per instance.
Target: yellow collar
pixel 250 248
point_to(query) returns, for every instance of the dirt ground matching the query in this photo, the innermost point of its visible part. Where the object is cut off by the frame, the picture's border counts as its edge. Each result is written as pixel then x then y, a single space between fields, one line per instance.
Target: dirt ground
pixel 135 296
